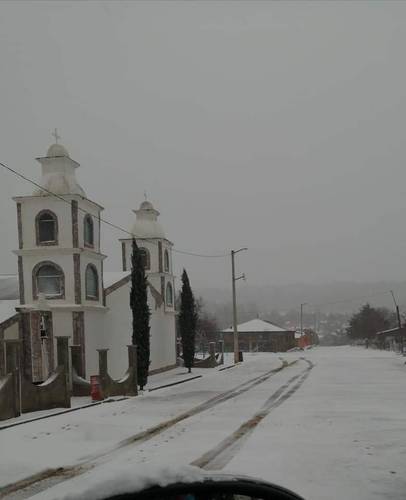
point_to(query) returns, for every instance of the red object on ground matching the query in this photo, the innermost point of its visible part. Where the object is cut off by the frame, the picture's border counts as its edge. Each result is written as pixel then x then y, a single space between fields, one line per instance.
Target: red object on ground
pixel 95 390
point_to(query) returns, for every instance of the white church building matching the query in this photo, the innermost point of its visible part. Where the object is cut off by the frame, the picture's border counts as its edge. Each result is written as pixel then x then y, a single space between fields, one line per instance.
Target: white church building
pixel 62 289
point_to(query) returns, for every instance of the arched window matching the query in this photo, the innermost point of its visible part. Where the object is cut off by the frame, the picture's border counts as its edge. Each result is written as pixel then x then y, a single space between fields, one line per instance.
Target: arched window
pixel 46 228
pixel 169 295
pixel 91 282
pixel 146 258
pixel 88 231
pixel 166 261
pixel 48 278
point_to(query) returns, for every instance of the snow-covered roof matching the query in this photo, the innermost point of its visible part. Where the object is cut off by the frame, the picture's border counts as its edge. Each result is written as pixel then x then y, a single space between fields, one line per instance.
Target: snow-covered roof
pixel 111 277
pixel 9 287
pixel 256 325
pixel 7 309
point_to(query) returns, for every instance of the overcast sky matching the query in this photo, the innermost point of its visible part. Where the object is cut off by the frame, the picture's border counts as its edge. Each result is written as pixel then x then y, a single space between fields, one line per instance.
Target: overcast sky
pixel 277 126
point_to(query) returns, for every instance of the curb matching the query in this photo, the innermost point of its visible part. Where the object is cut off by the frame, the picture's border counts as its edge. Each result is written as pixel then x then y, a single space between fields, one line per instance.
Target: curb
pixel 226 368
pixel 62 412
pixel 174 383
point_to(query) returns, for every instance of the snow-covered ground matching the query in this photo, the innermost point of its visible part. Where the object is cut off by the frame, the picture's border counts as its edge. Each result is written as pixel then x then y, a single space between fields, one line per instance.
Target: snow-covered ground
pixel 335 430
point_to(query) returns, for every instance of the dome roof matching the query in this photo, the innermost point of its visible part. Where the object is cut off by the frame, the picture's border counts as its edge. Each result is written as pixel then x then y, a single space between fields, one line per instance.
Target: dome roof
pixel 146 223
pixel 146 205
pixel 57 150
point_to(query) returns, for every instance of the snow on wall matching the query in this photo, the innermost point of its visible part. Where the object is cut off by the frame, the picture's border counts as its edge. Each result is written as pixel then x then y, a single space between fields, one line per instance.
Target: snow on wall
pixel 94 339
pixel 163 339
pixel 118 332
pixel 31 206
pixel 117 328
pixel 62 324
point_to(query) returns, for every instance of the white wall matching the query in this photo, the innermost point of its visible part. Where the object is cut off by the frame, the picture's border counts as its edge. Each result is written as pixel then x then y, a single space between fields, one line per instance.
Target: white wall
pixel 62 324
pixel 117 326
pixel 163 339
pixel 31 206
pixel 94 339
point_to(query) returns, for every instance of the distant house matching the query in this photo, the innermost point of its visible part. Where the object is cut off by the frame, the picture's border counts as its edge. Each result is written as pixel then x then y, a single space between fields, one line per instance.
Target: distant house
pixel 391 339
pixel 259 335
pixel 305 339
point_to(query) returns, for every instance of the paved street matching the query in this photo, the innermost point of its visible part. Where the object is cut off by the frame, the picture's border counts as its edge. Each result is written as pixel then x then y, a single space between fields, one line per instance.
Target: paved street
pixel 329 425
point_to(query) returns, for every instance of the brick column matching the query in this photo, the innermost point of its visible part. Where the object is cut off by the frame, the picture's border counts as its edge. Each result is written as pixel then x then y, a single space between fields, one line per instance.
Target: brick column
pixel 105 385
pixel 77 279
pixel 2 358
pixel 13 365
pixel 62 349
pixel 78 318
pixel 123 256
pixel 102 362
pixel 76 357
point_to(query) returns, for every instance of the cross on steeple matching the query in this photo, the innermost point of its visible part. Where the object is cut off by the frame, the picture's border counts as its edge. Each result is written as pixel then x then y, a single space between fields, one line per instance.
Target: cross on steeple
pixel 55 134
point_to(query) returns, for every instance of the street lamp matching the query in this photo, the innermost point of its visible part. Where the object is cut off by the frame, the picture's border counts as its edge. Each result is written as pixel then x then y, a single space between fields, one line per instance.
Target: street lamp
pixel 234 279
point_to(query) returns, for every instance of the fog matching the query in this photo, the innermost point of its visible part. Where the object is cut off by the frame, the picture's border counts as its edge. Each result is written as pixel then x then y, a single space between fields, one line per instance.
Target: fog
pixel 276 126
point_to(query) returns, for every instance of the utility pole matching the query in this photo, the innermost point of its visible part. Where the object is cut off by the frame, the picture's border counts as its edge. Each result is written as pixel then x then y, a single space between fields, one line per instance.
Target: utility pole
pixel 301 318
pixel 399 322
pixel 234 279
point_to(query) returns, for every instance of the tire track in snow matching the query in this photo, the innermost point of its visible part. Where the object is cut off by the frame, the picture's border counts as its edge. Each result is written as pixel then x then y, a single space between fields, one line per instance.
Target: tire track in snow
pixel 50 477
pixel 218 457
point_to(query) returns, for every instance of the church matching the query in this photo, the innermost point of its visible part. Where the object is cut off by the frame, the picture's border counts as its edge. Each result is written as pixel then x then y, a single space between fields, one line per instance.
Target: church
pixel 61 288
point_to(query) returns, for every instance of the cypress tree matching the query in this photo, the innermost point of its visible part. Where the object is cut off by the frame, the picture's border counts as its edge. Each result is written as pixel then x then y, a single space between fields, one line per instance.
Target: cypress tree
pixel 187 321
pixel 140 314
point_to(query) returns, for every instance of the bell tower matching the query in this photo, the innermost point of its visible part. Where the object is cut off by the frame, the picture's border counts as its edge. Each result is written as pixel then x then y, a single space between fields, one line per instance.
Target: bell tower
pixel 157 250
pixel 59 258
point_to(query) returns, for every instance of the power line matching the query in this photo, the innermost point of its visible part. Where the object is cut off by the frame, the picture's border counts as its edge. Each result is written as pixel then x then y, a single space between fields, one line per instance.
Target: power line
pixel 111 224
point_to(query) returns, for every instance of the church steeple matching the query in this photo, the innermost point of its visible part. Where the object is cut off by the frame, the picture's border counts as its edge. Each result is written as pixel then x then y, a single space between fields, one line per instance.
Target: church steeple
pixel 157 251
pixel 58 172
pixel 146 222
pixel 59 257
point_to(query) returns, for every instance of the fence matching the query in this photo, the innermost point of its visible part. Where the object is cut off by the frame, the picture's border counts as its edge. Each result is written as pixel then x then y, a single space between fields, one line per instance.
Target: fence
pixel 127 386
pixel 19 395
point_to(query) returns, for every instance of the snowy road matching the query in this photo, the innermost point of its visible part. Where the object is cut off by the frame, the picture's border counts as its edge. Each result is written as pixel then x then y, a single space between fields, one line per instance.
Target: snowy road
pixel 331 426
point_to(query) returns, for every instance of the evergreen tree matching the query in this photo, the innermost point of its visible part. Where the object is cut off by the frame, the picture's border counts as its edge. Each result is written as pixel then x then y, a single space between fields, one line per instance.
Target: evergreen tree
pixel 140 313
pixel 187 321
pixel 368 321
